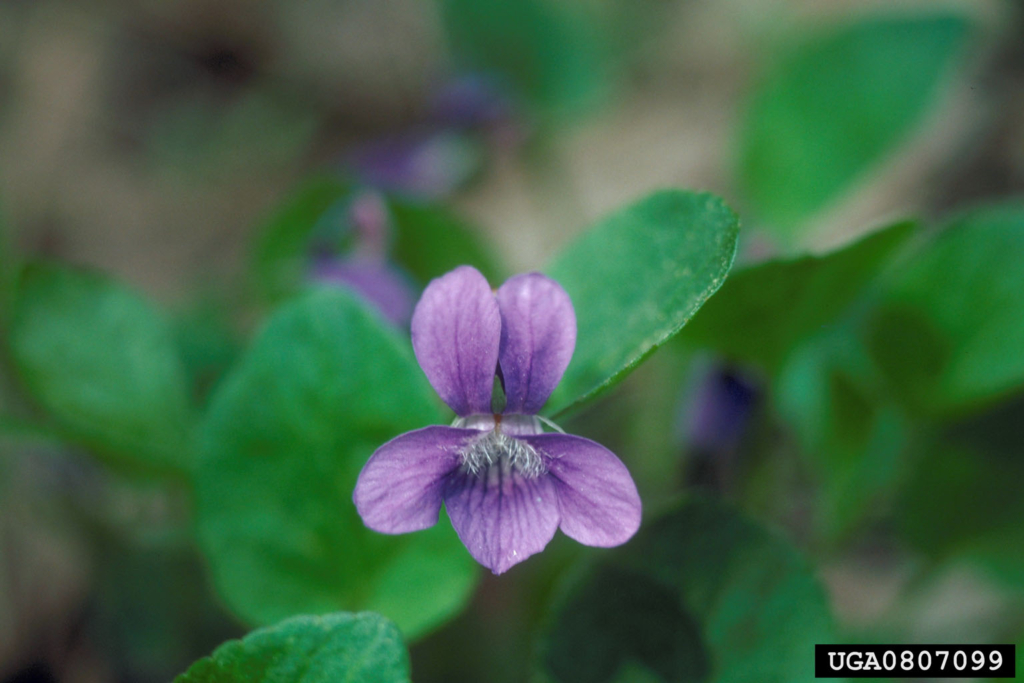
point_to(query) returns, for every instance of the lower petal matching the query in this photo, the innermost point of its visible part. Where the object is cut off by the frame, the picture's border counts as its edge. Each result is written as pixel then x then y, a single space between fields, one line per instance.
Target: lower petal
pixel 401 486
pixel 502 517
pixel 597 500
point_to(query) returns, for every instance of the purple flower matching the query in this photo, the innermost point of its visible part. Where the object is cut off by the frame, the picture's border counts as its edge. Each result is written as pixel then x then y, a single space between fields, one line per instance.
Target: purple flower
pixel 427 164
pixel 718 411
pixel 506 484
pixel 472 101
pixel 478 103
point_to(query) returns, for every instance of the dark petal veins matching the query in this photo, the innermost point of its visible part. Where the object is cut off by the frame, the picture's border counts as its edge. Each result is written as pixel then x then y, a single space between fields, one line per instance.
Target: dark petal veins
pixel 502 517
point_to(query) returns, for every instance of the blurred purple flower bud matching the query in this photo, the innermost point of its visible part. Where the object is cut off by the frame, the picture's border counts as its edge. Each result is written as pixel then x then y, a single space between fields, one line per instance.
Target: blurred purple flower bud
pixel 471 101
pixel 428 165
pixel 351 250
pixel 716 413
pixel 382 285
pixel 478 102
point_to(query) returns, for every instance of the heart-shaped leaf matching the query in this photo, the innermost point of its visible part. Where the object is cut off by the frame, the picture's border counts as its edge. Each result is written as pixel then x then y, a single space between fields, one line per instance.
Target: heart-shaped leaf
pixel 102 362
pixel 286 435
pixel 838 104
pixel 635 279
pixel 354 648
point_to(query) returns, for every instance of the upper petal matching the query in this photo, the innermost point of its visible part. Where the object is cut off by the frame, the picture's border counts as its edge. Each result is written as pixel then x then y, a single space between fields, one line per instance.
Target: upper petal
pixel 597 499
pixel 456 328
pixel 502 517
pixel 538 335
pixel 401 486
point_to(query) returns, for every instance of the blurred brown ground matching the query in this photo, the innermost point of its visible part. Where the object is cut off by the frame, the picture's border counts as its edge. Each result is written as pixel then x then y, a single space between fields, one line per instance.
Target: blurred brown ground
pixel 130 143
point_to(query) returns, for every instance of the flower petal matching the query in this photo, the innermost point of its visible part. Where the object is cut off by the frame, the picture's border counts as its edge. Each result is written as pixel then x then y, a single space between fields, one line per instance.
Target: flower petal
pixel 400 488
pixel 456 328
pixel 502 517
pixel 597 499
pixel 538 335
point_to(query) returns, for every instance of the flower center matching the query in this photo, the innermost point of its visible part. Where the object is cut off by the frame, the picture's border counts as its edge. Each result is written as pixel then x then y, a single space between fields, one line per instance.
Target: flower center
pixel 497 449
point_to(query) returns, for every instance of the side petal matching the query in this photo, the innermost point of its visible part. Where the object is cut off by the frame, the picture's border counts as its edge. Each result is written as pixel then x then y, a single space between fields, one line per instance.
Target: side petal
pixel 502 518
pixel 456 329
pixel 597 499
pixel 401 486
pixel 538 335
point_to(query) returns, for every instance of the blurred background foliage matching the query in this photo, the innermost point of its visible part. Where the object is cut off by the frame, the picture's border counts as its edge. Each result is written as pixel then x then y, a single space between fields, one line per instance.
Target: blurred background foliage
pixel 216 215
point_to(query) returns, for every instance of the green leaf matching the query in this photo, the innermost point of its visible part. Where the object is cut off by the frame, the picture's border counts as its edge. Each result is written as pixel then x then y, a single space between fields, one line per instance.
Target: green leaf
pixel 336 648
pixel 280 258
pixel 963 497
pixel 763 311
pixel 836 106
pixel 965 502
pixel 635 279
pixel 950 333
pixel 427 240
pixel 701 594
pixel 551 53
pixel 851 432
pixel 286 435
pixel 207 344
pixel 616 619
pixel 102 362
